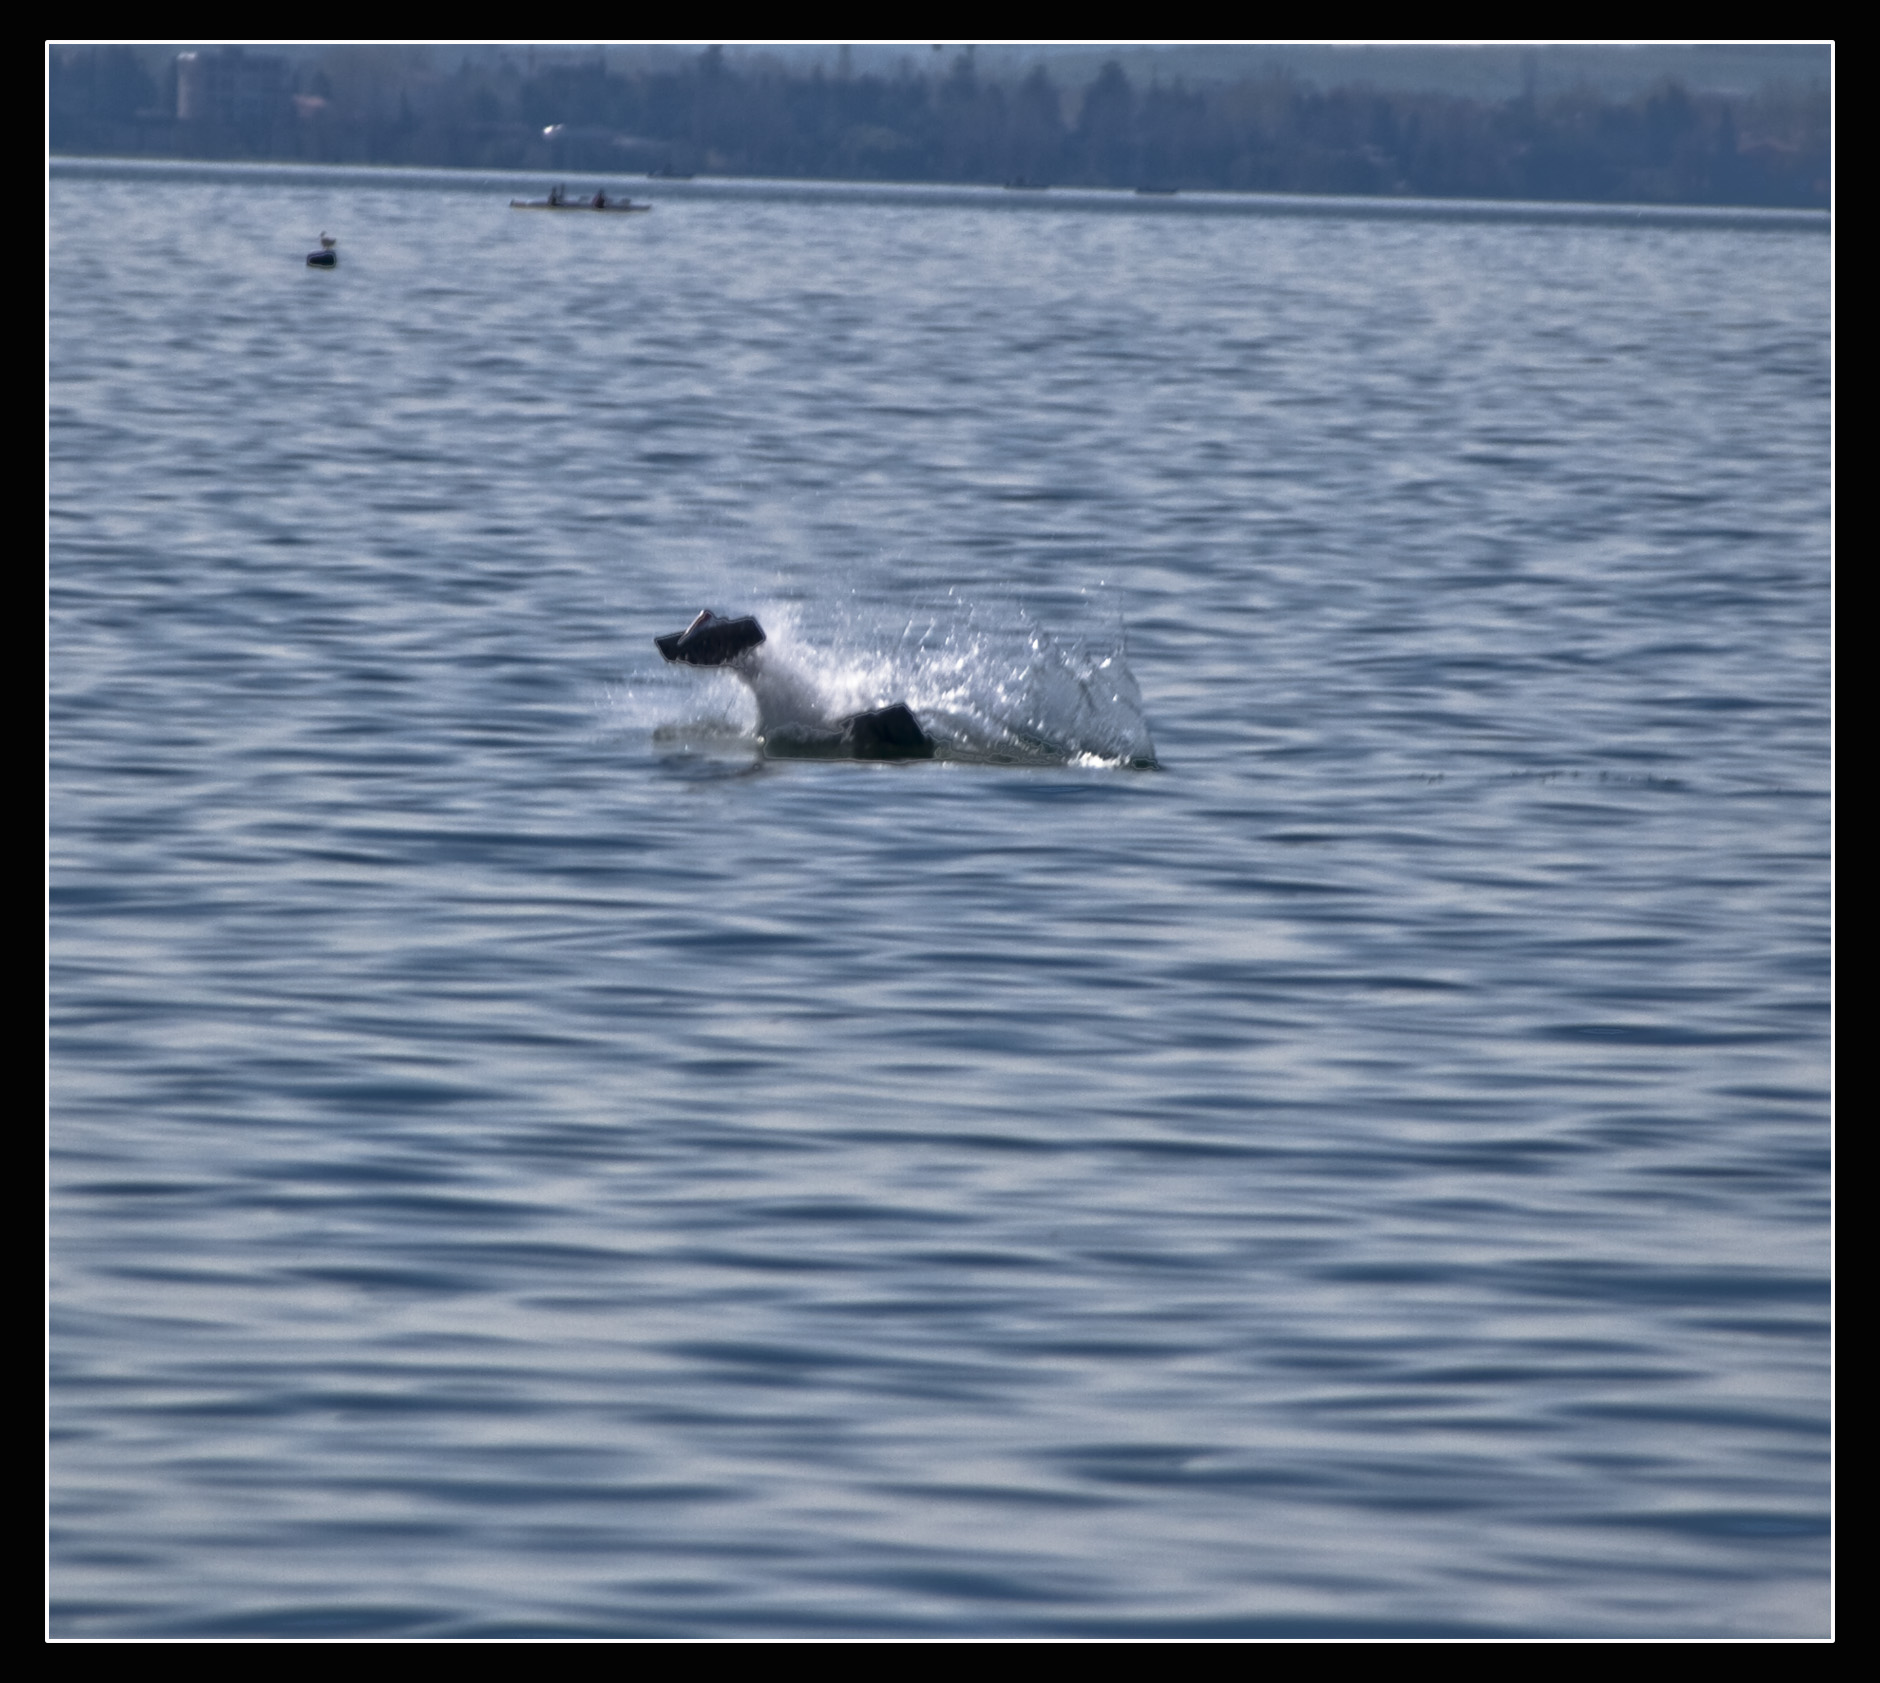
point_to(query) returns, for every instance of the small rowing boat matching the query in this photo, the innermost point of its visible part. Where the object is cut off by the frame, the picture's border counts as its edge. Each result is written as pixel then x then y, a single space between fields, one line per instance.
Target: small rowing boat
pixel 598 202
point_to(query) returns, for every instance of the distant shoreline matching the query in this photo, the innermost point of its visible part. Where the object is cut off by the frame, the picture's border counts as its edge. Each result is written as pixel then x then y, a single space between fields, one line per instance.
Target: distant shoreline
pixel 1098 199
pixel 1258 129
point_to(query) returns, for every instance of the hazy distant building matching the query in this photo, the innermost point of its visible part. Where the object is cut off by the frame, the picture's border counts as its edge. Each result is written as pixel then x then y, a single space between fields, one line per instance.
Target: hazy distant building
pixel 229 88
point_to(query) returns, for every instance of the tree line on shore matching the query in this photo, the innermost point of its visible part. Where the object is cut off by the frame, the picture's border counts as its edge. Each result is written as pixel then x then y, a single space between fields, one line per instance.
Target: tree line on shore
pixel 1265 133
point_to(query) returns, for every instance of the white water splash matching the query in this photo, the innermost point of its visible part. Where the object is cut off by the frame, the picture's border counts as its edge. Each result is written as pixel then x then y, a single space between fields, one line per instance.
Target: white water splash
pixel 987 684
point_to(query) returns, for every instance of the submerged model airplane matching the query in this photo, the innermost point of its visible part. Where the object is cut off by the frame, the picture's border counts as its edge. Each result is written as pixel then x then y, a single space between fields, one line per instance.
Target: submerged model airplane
pixel 788 717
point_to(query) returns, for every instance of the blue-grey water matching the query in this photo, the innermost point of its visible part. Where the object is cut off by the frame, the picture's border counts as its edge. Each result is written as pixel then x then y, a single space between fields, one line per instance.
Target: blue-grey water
pixel 1310 1115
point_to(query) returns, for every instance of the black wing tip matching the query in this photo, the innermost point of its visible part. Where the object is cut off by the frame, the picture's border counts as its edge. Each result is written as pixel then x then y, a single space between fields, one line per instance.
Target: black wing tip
pixel 887 733
pixel 711 640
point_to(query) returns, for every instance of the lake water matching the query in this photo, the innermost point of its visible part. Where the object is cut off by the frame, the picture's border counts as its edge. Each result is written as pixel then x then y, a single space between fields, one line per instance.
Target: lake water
pixel 1311 1115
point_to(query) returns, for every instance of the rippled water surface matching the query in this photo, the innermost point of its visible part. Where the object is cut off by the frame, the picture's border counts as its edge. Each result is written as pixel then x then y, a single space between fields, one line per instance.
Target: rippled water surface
pixel 1311 1115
